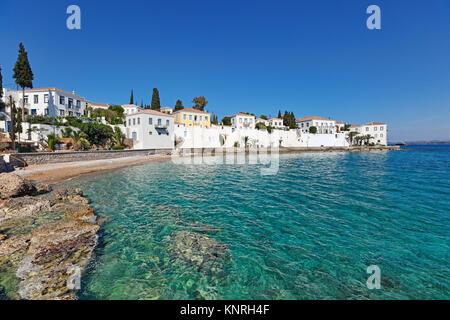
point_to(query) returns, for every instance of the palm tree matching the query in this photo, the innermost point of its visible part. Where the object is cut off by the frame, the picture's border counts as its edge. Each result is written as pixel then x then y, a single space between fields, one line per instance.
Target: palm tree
pixel 52 141
pixel 352 135
pixel 367 138
pixel 246 141
pixel 67 132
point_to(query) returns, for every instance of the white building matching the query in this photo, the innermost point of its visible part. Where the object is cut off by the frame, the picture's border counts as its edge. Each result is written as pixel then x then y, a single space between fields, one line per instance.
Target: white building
pixel 276 123
pixel 131 108
pixel 323 125
pixel 377 131
pixel 50 102
pixel 263 121
pixel 94 105
pixel 168 110
pixel 150 129
pixel 242 121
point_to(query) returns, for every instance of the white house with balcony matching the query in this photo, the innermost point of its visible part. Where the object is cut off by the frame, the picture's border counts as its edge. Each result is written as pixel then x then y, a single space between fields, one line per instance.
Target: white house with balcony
pixel 150 129
pixel 242 121
pixel 323 125
pixel 52 102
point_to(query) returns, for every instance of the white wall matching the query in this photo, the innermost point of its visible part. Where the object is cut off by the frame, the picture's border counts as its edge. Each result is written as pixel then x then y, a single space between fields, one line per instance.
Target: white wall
pixel 188 137
pixel 149 136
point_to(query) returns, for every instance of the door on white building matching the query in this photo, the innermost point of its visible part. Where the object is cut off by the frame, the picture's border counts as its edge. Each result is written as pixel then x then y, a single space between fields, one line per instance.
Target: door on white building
pixel 134 135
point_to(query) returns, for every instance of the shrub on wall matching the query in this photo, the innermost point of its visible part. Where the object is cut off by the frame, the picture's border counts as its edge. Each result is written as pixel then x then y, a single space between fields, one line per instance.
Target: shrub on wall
pixel 312 129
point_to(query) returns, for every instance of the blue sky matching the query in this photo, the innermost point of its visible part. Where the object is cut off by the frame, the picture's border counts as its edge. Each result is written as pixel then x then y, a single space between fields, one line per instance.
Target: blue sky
pixel 312 57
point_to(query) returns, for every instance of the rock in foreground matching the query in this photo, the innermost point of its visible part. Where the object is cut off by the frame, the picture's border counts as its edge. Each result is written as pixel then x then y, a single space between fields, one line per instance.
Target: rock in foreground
pixel 12 186
pixel 45 242
pixel 209 255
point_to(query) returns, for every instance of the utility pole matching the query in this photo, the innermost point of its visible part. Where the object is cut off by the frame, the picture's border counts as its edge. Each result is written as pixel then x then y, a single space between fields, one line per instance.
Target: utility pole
pixel 13 136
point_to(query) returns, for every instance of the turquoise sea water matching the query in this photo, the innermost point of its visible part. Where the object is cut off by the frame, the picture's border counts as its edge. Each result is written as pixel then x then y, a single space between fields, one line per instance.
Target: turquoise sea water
pixel 308 232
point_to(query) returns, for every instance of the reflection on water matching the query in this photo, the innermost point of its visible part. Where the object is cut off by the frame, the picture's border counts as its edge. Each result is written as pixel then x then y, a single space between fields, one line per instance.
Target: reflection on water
pixel 307 232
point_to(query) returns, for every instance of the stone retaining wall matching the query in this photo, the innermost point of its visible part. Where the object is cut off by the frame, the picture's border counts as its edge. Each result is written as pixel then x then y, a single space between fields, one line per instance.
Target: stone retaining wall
pixel 56 157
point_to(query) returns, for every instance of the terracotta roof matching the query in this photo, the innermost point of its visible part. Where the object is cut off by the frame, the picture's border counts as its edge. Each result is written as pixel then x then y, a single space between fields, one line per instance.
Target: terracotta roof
pixel 166 108
pixel 313 118
pixel 55 89
pixel 129 106
pixel 373 123
pixel 274 119
pixel 191 110
pixel 340 122
pixel 99 104
pixel 154 112
pixel 240 114
pixel 355 125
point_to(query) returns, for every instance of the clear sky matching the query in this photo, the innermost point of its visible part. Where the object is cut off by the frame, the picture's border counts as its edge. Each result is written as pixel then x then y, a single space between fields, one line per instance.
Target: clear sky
pixel 312 57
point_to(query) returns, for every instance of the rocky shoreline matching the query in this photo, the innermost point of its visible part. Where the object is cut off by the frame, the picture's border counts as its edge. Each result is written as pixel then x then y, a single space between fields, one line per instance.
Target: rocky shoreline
pixel 46 239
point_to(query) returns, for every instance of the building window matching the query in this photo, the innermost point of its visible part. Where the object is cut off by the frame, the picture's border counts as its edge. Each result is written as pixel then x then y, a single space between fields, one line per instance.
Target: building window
pixel 381 135
pixel 206 118
pixel 78 104
pixel 375 128
pixel 167 123
pixel 36 98
pixel 190 117
pixel 240 120
pixel 70 113
pixel 46 111
pixel 61 113
pixel 70 103
pixel 185 134
pixel 150 133
pixel 367 128
pixel 129 122
pixel 62 100
pixel 184 117
pixel 25 99
pixel 45 98
pixel 150 120
pixel 381 128
pixel 201 118
pixel 134 121
pixel 159 122
pixel 33 111
pixel 139 120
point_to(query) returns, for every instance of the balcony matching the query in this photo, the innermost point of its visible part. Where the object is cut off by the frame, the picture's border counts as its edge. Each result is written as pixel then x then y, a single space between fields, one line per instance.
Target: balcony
pixel 160 126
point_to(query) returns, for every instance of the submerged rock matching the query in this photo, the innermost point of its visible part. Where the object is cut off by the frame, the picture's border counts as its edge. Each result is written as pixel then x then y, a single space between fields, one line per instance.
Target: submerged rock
pixel 209 255
pixel 73 195
pixel 12 185
pixel 54 253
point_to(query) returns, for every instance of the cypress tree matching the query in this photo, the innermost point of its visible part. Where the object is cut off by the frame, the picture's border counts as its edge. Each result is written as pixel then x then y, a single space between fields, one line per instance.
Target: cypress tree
pixel 156 103
pixel 23 74
pixel 142 104
pixel 178 105
pixel 279 114
pixel 131 97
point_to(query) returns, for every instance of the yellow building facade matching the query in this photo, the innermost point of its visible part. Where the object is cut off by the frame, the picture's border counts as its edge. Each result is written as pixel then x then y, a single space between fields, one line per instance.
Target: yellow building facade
pixel 193 118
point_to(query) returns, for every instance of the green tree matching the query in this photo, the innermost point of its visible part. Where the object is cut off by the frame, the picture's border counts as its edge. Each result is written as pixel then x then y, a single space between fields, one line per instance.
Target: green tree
pixel 352 135
pixel 97 133
pixel 313 129
pixel 260 126
pixel 16 123
pixel 264 117
pixel 23 74
pixel 178 105
pixel 214 119
pixel 199 103
pixel 286 119
pixel 279 114
pixel 118 136
pixel 132 97
pixel 156 103
pixel 226 121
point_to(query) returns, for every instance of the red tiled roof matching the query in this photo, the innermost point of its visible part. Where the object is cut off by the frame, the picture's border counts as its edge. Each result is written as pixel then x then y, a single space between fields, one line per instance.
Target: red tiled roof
pixel 154 112
pixel 355 125
pixel 340 122
pixel 56 89
pixel 313 118
pixel 373 123
pixel 191 110
pixel 240 114
pixel 99 104
pixel 129 106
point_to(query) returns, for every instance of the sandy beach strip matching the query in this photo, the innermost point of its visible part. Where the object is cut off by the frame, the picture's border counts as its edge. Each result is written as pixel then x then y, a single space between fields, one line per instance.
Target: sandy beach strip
pixel 54 173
